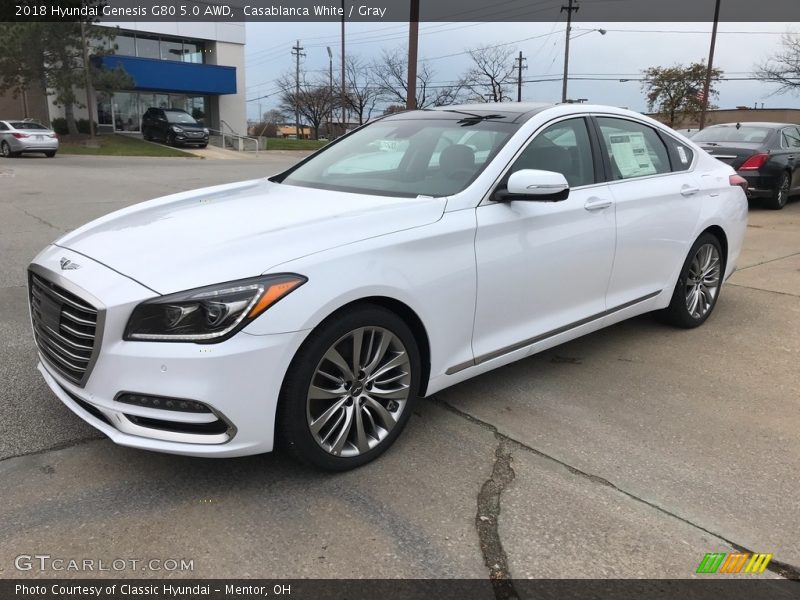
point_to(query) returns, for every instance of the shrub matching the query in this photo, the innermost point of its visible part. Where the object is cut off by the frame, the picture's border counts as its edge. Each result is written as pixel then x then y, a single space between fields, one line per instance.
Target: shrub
pixel 60 126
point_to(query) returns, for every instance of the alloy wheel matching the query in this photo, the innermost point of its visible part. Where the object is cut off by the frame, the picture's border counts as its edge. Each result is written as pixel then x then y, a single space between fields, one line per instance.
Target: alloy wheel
pixel 702 281
pixel 5 150
pixel 358 391
pixel 783 191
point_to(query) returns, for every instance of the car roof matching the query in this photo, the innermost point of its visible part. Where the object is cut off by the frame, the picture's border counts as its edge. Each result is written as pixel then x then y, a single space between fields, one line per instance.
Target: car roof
pixel 173 110
pixel 765 124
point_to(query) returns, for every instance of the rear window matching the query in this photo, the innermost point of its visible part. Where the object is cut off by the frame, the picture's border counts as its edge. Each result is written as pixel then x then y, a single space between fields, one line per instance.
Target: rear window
pixel 745 133
pixel 27 125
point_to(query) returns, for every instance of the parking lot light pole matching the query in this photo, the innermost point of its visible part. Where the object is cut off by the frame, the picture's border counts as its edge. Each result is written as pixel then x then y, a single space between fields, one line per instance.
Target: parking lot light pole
pixel 413 45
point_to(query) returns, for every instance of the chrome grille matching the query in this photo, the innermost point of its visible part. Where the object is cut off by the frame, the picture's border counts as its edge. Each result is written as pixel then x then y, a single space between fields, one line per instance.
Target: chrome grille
pixel 65 328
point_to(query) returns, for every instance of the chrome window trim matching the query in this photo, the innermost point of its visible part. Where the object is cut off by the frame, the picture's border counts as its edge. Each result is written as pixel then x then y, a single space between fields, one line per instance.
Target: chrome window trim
pixel 486 199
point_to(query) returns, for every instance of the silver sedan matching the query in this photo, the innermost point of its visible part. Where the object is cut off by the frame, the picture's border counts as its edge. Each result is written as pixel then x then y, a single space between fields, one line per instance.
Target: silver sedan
pixel 17 137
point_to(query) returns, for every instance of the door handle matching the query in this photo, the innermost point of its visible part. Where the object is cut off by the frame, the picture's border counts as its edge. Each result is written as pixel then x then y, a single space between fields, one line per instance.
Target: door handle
pixel 689 190
pixel 597 204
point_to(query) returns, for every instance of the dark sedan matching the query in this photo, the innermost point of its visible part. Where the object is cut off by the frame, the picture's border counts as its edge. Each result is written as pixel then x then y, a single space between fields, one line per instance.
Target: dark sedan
pixel 767 155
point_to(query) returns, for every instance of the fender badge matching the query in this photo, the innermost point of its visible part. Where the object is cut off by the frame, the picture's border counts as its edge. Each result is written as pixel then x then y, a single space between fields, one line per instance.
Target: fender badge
pixel 68 265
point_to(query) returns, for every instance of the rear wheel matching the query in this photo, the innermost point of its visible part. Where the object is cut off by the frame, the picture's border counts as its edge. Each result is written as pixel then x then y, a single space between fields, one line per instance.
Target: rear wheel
pixel 697 290
pixel 6 151
pixel 349 390
pixel 50 153
pixel 781 193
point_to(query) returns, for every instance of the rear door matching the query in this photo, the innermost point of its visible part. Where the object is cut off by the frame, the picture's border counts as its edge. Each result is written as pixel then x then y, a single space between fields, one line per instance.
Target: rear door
pixel 657 206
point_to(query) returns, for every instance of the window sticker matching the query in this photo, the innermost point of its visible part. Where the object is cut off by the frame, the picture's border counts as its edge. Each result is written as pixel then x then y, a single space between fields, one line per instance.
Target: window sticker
pixel 682 155
pixel 631 155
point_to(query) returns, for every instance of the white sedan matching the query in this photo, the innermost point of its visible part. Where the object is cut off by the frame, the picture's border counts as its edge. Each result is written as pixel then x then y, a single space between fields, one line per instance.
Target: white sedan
pixel 311 309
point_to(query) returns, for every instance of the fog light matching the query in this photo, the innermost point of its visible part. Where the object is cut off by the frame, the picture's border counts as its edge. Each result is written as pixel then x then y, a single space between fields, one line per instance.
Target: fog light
pixel 163 403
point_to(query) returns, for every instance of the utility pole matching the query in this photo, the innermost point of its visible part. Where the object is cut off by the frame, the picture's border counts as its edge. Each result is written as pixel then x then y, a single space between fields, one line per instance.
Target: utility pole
pixel 413 45
pixel 330 92
pixel 520 60
pixel 88 79
pixel 343 98
pixel 707 84
pixel 570 8
pixel 297 53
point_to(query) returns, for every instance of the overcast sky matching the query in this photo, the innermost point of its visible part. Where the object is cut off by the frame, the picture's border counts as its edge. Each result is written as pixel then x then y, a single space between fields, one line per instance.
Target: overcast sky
pixel 621 53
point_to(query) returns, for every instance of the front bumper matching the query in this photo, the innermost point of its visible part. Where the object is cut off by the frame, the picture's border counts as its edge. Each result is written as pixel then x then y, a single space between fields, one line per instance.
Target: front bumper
pixel 239 380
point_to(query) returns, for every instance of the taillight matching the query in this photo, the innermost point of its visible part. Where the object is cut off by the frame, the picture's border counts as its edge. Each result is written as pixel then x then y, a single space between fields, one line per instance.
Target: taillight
pixel 52 135
pixel 754 163
pixel 738 180
pixel 19 136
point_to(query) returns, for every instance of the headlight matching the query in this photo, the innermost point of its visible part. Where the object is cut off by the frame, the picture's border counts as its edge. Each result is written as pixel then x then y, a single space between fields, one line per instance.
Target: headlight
pixel 208 314
pixel 205 130
pixel 177 129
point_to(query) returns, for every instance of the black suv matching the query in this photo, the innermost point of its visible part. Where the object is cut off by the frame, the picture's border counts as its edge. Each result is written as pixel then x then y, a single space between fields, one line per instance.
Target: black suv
pixel 174 126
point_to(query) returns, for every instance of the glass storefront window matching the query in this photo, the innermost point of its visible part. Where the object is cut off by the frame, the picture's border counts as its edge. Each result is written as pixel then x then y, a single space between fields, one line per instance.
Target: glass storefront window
pixel 147 47
pixel 171 50
pixel 126 45
pixel 126 111
pixel 104 112
pixel 192 51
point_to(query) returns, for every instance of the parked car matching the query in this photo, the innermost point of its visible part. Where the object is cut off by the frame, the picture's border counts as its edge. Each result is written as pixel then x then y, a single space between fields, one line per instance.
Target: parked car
pixel 313 308
pixel 767 155
pixel 173 127
pixel 689 133
pixel 18 137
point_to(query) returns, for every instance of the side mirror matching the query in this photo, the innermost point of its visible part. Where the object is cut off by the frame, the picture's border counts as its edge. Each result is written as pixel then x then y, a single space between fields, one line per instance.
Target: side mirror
pixel 533 185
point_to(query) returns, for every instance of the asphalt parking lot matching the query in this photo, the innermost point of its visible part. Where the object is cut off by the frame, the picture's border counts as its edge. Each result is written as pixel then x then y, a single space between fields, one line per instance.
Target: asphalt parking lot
pixel 631 452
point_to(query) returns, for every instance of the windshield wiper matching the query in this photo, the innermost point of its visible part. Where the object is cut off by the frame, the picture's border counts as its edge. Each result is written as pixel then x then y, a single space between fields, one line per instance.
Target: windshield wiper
pixel 473 118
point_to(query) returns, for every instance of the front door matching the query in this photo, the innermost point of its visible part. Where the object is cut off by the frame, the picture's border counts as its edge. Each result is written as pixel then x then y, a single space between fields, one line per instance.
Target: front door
pixel 544 266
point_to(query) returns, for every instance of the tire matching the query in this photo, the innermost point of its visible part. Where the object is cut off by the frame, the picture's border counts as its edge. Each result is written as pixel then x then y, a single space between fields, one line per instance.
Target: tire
pixel 170 139
pixel 6 151
pixel 146 135
pixel 335 404
pixel 50 154
pixel 780 194
pixel 693 302
pixel 201 146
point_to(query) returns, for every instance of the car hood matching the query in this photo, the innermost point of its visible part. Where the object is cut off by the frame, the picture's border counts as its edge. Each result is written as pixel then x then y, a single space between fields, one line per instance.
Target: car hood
pixel 239 230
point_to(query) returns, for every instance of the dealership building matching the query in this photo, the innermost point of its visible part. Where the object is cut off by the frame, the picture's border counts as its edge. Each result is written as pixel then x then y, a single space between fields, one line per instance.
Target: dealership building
pixel 198 67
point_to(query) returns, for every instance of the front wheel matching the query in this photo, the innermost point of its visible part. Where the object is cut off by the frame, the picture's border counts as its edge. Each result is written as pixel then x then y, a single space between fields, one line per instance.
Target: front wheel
pixel 349 390
pixel 781 193
pixel 170 139
pixel 697 290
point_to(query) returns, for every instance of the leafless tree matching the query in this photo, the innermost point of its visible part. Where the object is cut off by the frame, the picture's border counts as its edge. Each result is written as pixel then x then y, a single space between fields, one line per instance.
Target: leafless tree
pixel 783 67
pixel 313 102
pixel 390 74
pixel 362 93
pixel 491 75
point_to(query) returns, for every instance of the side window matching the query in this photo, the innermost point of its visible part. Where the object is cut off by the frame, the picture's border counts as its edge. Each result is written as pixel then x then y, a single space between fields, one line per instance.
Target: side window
pixel 682 155
pixel 790 138
pixel 634 150
pixel 564 148
pixel 3 127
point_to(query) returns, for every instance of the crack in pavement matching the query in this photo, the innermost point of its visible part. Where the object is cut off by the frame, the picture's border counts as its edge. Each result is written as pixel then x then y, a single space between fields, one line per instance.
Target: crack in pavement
pixel 786 570
pixel 766 262
pixel 55 448
pixel 37 218
pixel 757 289
pixel 486 522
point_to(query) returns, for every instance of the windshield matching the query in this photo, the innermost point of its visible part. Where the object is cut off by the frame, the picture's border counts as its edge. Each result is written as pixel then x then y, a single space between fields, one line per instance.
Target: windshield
pixel 179 117
pixel 753 135
pixel 406 157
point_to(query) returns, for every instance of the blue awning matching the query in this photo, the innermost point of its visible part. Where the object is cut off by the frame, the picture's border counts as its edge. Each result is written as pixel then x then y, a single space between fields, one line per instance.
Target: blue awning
pixel 172 76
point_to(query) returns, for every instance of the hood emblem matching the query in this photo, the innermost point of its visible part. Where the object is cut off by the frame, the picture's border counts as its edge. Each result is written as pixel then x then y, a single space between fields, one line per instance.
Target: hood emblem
pixel 68 265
